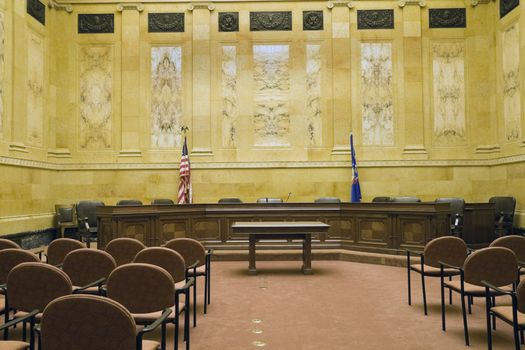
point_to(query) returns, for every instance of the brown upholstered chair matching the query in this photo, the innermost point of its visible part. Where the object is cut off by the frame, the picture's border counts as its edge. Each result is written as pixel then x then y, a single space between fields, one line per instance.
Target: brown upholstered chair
pixel 7 243
pixel 124 250
pixel 512 314
pixel 59 248
pixel 87 219
pixel 146 291
pixel 504 208
pixel 496 265
pixel 98 323
pixel 514 243
pixel 66 216
pixel 15 344
pixel 198 263
pixel 31 286
pixel 88 269
pixel 452 250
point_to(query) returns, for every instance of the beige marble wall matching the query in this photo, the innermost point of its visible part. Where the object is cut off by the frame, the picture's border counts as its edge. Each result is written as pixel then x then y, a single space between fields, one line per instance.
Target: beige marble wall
pixel 110 119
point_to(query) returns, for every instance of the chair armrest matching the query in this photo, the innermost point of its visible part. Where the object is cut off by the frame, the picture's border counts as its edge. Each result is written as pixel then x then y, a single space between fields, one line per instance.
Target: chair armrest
pixel 89 285
pixel 18 320
pixel 470 251
pixel 194 265
pixel 155 323
pixel 520 264
pixel 3 287
pixel 497 289
pixel 209 252
pixel 413 252
pixel 190 282
pixel 444 264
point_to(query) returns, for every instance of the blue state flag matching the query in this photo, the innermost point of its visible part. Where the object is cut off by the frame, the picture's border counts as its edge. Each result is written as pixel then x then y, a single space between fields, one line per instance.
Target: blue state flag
pixel 355 193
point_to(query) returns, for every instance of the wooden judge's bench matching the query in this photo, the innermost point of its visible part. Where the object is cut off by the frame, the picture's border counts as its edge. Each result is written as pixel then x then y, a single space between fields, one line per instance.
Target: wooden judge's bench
pixel 372 227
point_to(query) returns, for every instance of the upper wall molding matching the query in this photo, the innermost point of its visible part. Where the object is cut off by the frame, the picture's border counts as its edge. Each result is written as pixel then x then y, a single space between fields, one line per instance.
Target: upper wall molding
pixel 137 6
pixel 53 4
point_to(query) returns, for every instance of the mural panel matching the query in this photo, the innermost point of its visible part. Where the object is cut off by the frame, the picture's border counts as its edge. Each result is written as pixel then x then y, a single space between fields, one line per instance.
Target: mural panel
pixel 166 97
pixel 377 96
pixel 35 89
pixel 449 93
pixel 271 74
pixel 511 83
pixel 229 95
pixel 96 89
pixel 313 94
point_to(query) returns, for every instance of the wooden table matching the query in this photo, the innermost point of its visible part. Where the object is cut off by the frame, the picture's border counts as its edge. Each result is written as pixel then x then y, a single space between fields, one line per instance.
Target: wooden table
pixel 281 230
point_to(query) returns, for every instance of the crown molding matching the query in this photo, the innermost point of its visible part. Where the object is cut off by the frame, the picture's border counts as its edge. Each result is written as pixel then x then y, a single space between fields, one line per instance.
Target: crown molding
pixel 137 6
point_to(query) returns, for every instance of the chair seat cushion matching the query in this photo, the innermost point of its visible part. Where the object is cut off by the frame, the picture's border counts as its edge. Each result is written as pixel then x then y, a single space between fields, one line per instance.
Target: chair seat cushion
pixel 150 345
pixel 505 312
pixel 434 271
pixel 13 345
pixel 201 270
pixel 38 316
pixel 472 289
pixel 150 317
pixel 2 304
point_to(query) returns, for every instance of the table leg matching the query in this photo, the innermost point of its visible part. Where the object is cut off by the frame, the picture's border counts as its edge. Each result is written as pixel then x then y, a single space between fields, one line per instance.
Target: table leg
pixel 251 262
pixel 307 254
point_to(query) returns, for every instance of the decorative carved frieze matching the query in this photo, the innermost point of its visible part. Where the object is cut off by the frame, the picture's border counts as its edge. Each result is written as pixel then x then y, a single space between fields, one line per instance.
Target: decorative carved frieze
pixel 312 20
pixel 130 6
pixel 447 18
pixel 60 6
pixel 505 6
pixel 201 6
pixel 270 20
pixel 228 21
pixel 403 3
pixel 339 3
pixel 166 22
pixel 375 19
pixel 37 10
pixel 96 23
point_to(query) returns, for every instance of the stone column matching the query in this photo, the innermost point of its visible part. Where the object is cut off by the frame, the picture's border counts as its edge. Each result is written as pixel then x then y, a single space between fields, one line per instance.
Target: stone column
pixel 414 132
pixel 130 145
pixel 201 68
pixel 342 119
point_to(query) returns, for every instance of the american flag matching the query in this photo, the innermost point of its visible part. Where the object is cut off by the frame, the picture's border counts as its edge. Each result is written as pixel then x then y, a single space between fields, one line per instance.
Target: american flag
pixel 184 173
pixel 355 192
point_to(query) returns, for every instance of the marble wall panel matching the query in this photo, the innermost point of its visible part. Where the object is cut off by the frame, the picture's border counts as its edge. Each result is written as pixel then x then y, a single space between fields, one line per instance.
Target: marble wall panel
pixel 511 83
pixel 377 95
pixel 35 89
pixel 313 94
pixel 96 90
pixel 166 97
pixel 2 59
pixel 229 96
pixel 448 62
pixel 271 74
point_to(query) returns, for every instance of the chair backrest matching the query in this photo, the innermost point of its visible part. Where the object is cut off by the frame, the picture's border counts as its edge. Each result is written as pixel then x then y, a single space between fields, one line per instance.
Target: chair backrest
pixel 514 243
pixel 496 265
pixel 66 213
pixel 33 285
pixel 11 257
pixel 86 265
pixel 381 199
pixel 98 323
pixel 456 204
pixel 449 249
pixel 87 209
pixel 129 202
pixel 505 205
pixel 269 200
pixel 327 200
pixel 141 288
pixel 190 249
pixel 166 258
pixel 124 249
pixel 406 200
pixel 7 243
pixel 229 200
pixel 163 201
pixel 59 248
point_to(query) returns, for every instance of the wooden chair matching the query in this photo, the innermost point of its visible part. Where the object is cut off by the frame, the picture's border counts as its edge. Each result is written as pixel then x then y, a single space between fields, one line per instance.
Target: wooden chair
pixel 198 263
pixel 66 216
pixel 124 250
pixel 495 264
pixel 7 243
pixel 98 323
pixel 88 269
pixel 452 250
pixel 59 248
pixel 146 291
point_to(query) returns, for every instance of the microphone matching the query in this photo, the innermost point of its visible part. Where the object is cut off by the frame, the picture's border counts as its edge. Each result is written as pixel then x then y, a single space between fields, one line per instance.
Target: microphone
pixel 287 198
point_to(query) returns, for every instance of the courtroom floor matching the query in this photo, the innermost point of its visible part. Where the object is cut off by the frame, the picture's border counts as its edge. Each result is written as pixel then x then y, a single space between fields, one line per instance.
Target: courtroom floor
pixel 343 305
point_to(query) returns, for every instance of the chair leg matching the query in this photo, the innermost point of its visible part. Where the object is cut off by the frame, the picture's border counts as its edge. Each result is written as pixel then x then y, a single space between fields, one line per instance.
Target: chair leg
pixel 522 337
pixel 516 335
pixel 488 305
pixel 32 335
pixel 470 302
pixel 409 288
pixel 208 270
pixel 163 336
pixel 24 331
pixel 187 326
pixel 442 305
pixel 176 335
pixel 465 323
pixel 450 292
pixel 494 316
pixel 424 293
pixel 195 302
pixel 205 291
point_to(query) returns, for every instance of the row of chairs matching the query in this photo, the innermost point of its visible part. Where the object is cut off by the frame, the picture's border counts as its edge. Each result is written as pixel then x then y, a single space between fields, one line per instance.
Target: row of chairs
pixel 487 273
pixel 92 268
